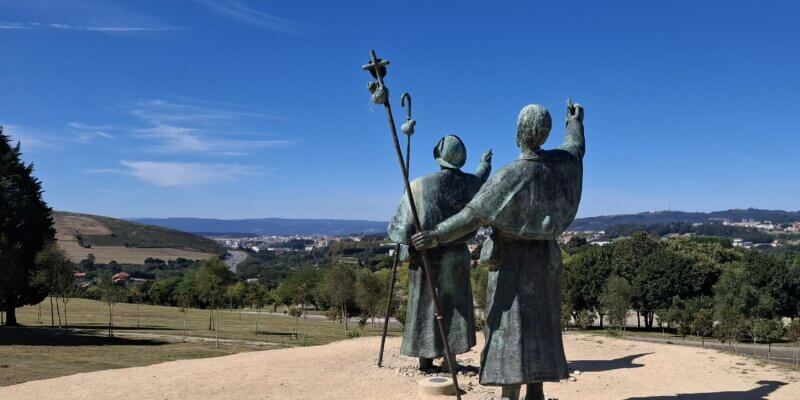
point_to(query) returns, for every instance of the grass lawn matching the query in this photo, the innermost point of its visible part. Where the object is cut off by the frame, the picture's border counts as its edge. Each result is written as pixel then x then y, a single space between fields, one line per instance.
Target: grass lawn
pixel 35 351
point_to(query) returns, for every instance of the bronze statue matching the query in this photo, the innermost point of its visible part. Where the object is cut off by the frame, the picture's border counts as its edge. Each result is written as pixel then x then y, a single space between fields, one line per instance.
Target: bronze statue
pixel 440 196
pixel 528 204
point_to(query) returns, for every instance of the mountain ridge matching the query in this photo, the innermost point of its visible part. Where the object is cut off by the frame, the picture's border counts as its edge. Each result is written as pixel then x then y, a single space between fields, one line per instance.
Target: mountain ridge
pixel 269 226
pixel 603 222
pixel 330 226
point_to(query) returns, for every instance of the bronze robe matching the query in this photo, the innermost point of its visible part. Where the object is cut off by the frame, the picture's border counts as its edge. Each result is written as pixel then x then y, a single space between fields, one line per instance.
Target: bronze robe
pixel 438 196
pixel 528 204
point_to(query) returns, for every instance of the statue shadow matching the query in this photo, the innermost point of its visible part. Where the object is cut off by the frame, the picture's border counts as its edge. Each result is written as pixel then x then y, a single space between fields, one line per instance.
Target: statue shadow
pixel 606 365
pixel 759 393
pixel 22 336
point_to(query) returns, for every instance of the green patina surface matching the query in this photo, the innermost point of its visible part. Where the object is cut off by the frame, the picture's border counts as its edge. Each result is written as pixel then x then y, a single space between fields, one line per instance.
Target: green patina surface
pixel 437 197
pixel 528 204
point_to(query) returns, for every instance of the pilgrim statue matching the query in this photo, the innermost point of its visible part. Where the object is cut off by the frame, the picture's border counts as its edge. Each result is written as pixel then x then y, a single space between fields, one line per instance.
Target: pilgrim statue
pixel 439 196
pixel 528 204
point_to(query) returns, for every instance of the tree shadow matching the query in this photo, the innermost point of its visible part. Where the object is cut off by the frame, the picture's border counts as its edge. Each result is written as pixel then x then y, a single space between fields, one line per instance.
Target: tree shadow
pixel 759 393
pixel 102 327
pixel 607 365
pixel 22 336
pixel 265 333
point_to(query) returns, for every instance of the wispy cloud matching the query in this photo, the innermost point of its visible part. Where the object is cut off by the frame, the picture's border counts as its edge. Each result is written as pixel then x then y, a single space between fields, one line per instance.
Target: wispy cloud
pixel 88 133
pixel 172 174
pixel 30 138
pixel 185 127
pixel 159 111
pixel 238 11
pixel 85 28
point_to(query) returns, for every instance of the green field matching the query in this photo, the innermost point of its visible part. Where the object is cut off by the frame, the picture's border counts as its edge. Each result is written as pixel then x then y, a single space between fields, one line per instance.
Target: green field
pixel 37 352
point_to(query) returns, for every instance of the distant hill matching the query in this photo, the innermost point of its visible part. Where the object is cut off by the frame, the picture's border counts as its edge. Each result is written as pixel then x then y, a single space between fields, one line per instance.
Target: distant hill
pixel 664 217
pixel 268 226
pixel 125 241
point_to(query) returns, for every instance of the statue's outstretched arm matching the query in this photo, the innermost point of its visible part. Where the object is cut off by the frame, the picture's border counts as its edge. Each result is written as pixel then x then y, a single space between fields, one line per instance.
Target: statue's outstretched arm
pixel 574 141
pixel 451 229
pixel 485 167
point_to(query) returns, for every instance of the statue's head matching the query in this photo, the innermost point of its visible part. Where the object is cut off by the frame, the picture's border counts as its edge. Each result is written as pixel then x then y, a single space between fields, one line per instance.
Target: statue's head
pixel 450 152
pixel 533 127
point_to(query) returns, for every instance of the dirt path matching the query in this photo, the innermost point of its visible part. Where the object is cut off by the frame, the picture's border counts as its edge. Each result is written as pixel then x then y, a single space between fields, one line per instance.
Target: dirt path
pixel 609 369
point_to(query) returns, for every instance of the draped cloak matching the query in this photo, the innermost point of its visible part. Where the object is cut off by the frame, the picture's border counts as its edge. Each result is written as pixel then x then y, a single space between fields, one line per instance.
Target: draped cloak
pixel 437 197
pixel 528 204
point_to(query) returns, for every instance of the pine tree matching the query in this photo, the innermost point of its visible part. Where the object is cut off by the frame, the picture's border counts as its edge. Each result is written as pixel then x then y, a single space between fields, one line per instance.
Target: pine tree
pixel 26 226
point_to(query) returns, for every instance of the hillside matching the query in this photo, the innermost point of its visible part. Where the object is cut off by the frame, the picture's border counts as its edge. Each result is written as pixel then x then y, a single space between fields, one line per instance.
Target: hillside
pixel 665 217
pixel 124 241
pixel 268 226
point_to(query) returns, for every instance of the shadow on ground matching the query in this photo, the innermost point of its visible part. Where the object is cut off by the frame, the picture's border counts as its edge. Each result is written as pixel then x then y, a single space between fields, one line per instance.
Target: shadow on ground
pixel 606 365
pixel 268 333
pixel 102 327
pixel 759 393
pixel 22 336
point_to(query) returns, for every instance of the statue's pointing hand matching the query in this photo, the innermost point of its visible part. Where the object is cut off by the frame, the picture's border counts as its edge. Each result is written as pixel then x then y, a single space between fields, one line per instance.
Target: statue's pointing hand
pixel 575 112
pixel 487 157
pixel 425 240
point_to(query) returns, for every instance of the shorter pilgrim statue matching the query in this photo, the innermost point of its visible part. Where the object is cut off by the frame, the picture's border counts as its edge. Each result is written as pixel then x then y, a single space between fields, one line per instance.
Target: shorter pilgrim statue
pixel 439 196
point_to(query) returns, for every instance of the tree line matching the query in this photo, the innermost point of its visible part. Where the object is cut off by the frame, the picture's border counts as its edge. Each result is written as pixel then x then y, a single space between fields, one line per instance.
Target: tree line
pixel 694 285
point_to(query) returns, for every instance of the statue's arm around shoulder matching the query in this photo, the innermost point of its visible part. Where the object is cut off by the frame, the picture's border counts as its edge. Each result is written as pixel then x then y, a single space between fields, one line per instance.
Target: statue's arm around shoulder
pixel 458 225
pixel 453 228
pixel 574 141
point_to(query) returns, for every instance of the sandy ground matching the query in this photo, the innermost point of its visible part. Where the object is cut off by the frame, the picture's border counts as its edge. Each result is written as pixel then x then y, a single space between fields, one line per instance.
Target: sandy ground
pixel 609 369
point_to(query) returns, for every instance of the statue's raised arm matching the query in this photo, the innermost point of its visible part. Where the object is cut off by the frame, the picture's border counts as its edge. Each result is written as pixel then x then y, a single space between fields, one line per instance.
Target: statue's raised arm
pixel 485 167
pixel 574 142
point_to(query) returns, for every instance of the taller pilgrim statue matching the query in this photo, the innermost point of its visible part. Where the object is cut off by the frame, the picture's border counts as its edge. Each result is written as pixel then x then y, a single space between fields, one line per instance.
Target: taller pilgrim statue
pixel 528 204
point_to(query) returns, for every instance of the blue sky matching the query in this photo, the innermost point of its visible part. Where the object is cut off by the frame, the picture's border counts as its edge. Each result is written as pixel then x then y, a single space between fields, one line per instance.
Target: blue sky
pixel 244 108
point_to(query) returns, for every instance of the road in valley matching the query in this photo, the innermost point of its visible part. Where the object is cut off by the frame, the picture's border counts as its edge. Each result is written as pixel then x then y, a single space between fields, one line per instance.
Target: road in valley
pixel 234 258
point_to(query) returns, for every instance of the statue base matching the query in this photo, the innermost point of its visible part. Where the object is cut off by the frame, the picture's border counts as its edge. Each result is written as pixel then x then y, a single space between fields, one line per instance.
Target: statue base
pixel 436 386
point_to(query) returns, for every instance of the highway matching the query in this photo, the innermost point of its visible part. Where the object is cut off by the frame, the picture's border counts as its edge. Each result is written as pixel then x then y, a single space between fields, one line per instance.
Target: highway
pixel 234 258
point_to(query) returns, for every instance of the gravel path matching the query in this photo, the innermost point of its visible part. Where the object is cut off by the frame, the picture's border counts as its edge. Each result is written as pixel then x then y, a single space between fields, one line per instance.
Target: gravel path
pixel 609 369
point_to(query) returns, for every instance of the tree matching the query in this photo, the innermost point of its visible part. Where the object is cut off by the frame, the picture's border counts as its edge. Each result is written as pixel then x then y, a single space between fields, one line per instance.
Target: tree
pixel 369 293
pixel 26 226
pixel 662 275
pixel 163 290
pixel 112 294
pixel 211 280
pixel 136 293
pixel 737 306
pixel 616 301
pixel 703 323
pixel 768 331
pixel 793 334
pixel 585 274
pixel 774 276
pixel 338 286
pixel 627 260
pixel 575 244
pixel 300 288
pixel 296 312
pixel 235 295
pixel 56 274
pixel 585 319
pixel 255 297
pixel 185 299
